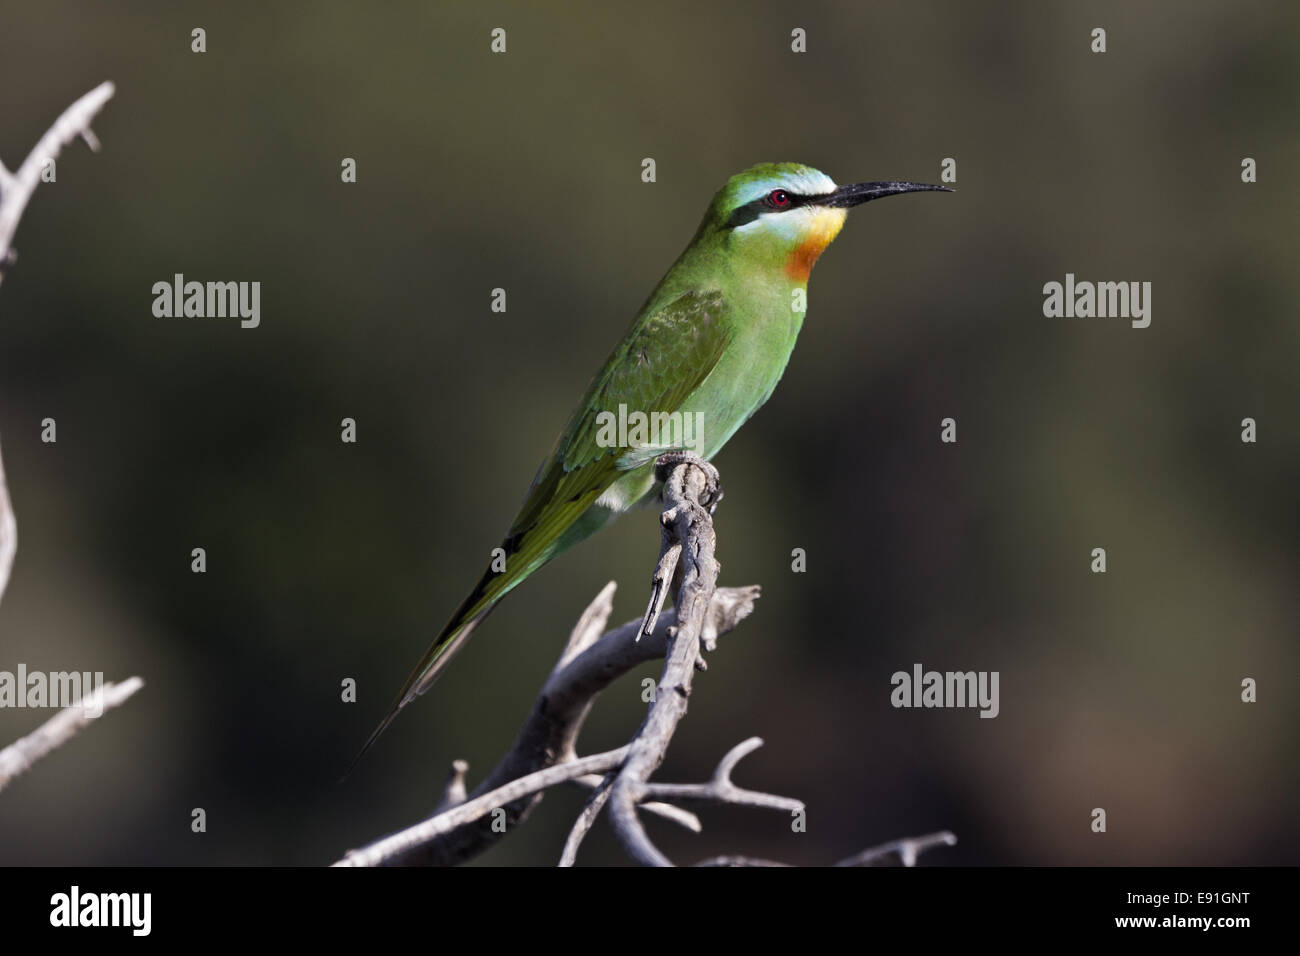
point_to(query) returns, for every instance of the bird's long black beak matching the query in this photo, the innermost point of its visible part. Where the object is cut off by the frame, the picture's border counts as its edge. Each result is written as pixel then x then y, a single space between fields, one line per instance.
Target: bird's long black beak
pixel 858 193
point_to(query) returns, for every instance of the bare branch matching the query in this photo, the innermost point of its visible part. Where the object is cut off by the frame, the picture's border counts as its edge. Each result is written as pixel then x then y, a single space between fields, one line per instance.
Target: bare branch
pixel 596 801
pixel 15 191
pixel 740 861
pixel 582 826
pixel 721 790
pixel 549 736
pixel 669 812
pixel 544 754
pixel 394 849
pixel 907 850
pixel 19 756
pixel 8 532
pixel 688 485
pixel 17 188
pixel 590 625
pixel 453 791
pixel 660 583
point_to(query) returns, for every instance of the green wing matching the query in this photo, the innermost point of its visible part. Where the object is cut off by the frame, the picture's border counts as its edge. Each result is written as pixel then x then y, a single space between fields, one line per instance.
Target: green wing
pixel 665 357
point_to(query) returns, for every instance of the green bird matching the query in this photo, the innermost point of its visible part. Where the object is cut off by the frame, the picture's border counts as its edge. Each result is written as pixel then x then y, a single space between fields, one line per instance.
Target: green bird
pixel 705 352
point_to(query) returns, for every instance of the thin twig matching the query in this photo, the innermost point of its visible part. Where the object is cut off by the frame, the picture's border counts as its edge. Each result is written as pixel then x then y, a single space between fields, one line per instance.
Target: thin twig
pixel 15 191
pixel 590 626
pixel 8 531
pixel 391 848
pixel 660 583
pixel 667 811
pixel 721 790
pixel 907 850
pixel 17 188
pixel 453 791
pixel 19 756
pixel 582 826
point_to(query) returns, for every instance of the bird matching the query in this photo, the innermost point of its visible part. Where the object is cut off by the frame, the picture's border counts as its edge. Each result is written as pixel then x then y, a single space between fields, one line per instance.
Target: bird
pixel 710 345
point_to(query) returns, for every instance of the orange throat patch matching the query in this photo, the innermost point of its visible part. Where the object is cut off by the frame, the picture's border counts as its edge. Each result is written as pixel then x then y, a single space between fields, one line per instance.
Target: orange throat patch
pixel 825 226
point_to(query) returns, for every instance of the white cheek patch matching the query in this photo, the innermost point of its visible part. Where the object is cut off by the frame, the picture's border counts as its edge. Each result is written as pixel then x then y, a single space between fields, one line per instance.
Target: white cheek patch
pixel 791 225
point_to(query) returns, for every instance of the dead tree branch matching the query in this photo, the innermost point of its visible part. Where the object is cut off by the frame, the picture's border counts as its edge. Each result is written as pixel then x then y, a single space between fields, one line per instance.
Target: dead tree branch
pixel 8 531
pixel 689 487
pixel 544 754
pixel 15 191
pixel 590 663
pixel 399 845
pixel 17 188
pixel 906 851
pixel 19 756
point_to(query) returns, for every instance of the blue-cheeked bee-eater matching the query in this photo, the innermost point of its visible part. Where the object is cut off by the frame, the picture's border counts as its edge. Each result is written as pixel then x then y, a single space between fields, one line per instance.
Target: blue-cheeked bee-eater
pixel 710 344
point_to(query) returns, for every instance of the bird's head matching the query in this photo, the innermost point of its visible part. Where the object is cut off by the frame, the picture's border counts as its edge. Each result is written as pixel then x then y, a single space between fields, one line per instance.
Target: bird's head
pixel 786 214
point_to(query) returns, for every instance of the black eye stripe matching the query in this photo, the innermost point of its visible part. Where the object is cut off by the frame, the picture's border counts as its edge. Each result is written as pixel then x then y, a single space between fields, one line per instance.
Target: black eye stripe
pixel 756 207
pixel 742 215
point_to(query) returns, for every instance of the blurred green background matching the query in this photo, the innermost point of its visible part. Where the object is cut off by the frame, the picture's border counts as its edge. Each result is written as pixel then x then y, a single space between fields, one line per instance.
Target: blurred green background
pixel 522 171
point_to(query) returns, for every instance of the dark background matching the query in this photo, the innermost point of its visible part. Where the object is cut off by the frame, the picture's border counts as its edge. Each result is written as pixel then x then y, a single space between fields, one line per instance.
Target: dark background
pixel 522 170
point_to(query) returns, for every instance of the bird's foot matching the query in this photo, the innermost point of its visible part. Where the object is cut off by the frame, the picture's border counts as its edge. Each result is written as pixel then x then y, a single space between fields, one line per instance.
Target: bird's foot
pixel 666 462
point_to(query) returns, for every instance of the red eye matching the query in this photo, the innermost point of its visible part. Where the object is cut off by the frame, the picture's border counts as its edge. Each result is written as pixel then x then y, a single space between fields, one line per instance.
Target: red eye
pixel 778 199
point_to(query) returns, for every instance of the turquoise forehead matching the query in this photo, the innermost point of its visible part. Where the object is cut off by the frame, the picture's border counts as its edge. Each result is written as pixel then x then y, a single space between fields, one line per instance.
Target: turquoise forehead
pixel 763 178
